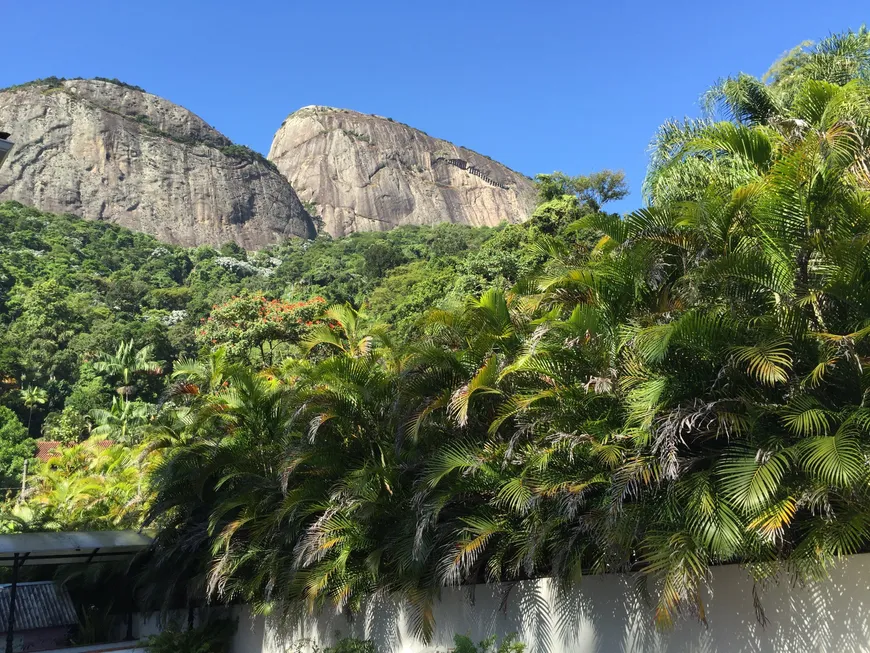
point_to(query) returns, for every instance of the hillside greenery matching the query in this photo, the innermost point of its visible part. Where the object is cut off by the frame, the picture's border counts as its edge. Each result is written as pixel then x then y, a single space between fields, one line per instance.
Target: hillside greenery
pixel 656 393
pixel 71 289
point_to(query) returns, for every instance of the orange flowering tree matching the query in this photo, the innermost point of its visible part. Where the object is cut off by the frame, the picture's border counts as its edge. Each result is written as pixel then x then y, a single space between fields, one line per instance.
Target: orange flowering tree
pixel 256 329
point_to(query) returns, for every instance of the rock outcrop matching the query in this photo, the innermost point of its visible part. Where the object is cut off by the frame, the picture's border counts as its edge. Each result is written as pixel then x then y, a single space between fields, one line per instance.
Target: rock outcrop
pixel 109 151
pixel 368 173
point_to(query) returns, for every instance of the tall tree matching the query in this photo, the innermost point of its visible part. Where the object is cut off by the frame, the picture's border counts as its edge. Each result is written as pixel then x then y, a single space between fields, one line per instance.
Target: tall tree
pixel 32 397
pixel 125 363
pixel 16 447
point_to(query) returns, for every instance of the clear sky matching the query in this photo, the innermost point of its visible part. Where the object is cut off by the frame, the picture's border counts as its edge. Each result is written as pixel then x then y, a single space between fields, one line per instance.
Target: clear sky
pixel 541 86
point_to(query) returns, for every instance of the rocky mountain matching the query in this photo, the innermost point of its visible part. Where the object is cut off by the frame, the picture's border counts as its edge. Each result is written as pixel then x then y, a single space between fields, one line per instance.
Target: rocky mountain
pixel 369 173
pixel 105 150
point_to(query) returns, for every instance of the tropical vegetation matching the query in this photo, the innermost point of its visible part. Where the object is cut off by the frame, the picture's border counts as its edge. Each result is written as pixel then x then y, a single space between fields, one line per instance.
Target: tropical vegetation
pixel 656 393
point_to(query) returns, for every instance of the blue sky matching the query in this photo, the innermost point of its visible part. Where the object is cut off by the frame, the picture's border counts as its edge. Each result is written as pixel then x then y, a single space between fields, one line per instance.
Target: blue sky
pixel 540 86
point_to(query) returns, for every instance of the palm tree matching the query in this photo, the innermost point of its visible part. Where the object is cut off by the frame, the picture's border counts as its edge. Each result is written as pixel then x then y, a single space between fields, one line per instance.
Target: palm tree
pixel 123 422
pixel 723 332
pixel 346 330
pixel 33 396
pixel 302 478
pixel 515 482
pixel 779 106
pixel 90 486
pixel 691 392
pixel 743 375
pixel 202 376
pixel 126 363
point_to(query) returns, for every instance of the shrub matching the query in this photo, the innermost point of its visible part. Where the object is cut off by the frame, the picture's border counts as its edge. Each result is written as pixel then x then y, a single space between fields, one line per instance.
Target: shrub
pixel 463 644
pixel 68 426
pixel 245 153
pixel 48 82
pixel 351 645
pixel 118 82
pixel 212 636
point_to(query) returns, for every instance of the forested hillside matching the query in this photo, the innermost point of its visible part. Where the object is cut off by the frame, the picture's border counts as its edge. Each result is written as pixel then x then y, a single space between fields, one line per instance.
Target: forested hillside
pixel 655 393
pixel 71 290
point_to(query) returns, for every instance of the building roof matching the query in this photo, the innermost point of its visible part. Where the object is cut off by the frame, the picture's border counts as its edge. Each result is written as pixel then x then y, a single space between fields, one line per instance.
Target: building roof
pixel 47 449
pixel 38 605
pixel 70 547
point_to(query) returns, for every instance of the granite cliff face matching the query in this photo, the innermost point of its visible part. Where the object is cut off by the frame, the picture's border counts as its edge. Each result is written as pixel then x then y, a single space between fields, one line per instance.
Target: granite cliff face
pixel 368 173
pixel 112 152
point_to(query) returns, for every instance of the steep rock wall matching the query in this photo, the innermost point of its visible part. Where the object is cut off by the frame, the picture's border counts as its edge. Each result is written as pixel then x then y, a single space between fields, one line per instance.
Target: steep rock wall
pixel 111 152
pixel 368 173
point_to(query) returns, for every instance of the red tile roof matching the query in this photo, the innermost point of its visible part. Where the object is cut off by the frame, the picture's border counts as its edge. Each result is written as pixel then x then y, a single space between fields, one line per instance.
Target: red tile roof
pixel 46 449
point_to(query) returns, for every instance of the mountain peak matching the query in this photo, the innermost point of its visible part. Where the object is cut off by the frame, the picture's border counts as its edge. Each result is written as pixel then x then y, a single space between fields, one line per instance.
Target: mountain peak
pixel 107 150
pixel 364 172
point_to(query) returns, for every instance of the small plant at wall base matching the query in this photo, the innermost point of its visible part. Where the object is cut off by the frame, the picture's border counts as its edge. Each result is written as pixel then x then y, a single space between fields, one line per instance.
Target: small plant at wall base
pixel 464 644
pixel 352 645
pixel 212 636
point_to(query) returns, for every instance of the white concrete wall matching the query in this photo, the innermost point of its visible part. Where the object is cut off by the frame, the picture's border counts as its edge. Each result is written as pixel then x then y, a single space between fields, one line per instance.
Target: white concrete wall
pixel 152 623
pixel 251 634
pixel 605 614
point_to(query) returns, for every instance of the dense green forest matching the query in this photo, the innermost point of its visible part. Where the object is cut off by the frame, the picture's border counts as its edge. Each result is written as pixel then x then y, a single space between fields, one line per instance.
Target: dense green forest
pixel 654 393
pixel 71 290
